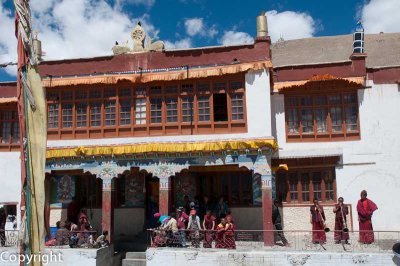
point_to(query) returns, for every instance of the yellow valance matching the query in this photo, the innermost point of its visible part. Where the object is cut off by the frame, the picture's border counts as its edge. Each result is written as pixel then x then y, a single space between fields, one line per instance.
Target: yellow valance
pixel 162 147
pixel 159 76
pixel 287 84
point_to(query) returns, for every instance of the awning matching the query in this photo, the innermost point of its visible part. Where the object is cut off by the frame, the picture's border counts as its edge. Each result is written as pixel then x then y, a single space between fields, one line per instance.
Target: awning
pixel 307 153
pixel 157 75
pixel 351 81
pixel 163 147
pixel 8 100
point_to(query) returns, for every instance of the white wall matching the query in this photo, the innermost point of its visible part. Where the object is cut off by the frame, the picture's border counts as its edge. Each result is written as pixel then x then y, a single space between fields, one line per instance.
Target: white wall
pixel 378 150
pixel 10 179
pixel 257 102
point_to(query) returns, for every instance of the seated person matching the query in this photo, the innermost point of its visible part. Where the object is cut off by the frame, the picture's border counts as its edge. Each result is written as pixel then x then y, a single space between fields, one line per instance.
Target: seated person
pixel 102 241
pixel 62 235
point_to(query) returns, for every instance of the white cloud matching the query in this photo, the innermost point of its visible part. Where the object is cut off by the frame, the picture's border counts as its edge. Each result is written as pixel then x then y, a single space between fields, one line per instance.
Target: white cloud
pixel 180 44
pixel 8 42
pixel 235 37
pixel 196 26
pixel 148 3
pixel 290 25
pixel 91 31
pixel 381 16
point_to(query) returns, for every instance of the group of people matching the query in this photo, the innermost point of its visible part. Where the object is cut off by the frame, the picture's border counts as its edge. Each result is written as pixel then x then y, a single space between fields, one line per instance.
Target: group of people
pixel 173 230
pixel 365 209
pixel 80 234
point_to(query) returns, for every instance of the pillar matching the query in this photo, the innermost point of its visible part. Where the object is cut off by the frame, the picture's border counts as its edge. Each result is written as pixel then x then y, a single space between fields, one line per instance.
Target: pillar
pixel 266 188
pixel 164 199
pixel 107 209
pixel 262 166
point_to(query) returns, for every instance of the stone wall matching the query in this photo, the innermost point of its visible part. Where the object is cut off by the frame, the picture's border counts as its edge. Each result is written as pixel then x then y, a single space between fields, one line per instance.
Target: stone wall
pixel 175 257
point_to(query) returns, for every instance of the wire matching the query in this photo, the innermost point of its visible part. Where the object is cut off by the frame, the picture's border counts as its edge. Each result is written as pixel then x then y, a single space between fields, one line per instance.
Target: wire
pixel 8 64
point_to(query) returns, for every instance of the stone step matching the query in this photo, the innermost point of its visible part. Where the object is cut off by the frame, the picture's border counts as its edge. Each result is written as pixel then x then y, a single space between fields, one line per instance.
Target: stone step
pixel 135 255
pixel 134 262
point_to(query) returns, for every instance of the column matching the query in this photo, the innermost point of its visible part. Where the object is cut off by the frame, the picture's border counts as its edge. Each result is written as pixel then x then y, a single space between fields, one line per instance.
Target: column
pixel 262 166
pixel 165 190
pixel 107 210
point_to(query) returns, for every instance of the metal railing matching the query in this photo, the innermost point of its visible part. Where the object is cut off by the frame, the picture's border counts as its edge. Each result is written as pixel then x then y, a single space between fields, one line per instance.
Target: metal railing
pixel 297 240
pixel 9 238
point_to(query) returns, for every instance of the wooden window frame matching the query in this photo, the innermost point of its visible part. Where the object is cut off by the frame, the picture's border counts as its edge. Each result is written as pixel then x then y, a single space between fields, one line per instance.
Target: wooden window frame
pixel 14 125
pixel 285 179
pixel 126 91
pixel 330 134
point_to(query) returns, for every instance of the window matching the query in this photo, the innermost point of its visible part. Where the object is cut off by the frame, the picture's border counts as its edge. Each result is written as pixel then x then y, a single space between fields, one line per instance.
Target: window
pixel 169 108
pixel 95 114
pixel 9 127
pixel 81 116
pixel 66 109
pixel 303 186
pixel 125 112
pixel 172 109
pixel 53 115
pixel 204 108
pixel 237 106
pixel 187 109
pixel 140 111
pixel 109 110
pixel 322 117
pixel 155 110
pixel 220 107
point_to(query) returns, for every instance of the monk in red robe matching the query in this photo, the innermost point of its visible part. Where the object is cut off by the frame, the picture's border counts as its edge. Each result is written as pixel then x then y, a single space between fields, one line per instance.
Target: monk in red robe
pixel 365 209
pixel 317 219
pixel 341 211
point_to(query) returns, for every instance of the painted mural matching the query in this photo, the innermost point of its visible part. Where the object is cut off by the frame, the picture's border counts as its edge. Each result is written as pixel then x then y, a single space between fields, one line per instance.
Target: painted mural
pixel 62 190
pixel 134 190
pixel 184 185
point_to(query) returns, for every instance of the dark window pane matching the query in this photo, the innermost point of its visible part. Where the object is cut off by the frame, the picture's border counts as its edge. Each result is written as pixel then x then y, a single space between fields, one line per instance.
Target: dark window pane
pixel 321 115
pixel 293 121
pixel 336 118
pixel 156 110
pixel 307 121
pixel 125 113
pixel 351 118
pixel 66 109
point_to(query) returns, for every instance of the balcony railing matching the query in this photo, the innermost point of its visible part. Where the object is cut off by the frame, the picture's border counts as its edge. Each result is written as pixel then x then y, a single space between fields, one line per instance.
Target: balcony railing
pixel 9 238
pixel 254 239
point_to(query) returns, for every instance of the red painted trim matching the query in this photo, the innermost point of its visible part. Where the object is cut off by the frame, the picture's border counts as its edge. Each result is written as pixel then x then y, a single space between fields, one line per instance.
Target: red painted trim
pixel 8 89
pixel 384 75
pixel 154 60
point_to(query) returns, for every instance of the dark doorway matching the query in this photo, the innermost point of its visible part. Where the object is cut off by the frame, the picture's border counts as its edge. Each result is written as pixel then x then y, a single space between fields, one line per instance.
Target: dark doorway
pixel 220 107
pixel 152 197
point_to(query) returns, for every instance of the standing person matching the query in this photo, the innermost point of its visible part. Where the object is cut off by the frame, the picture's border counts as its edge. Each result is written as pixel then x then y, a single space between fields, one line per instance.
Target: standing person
pixel 317 219
pixel 341 211
pixel 365 209
pixel 277 221
pixel 220 235
pixel 222 208
pixel 194 227
pixel 73 211
pixel 182 219
pixel 204 206
pixel 208 226
pixel 3 219
pixel 230 233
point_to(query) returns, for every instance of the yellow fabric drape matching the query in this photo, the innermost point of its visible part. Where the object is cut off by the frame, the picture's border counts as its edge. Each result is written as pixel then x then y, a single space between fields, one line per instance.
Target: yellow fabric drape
pixel 162 147
pixel 37 136
pixel 160 76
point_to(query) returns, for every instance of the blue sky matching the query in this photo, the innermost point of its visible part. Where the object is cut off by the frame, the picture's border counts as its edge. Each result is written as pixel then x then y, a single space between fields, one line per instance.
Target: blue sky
pixel 96 24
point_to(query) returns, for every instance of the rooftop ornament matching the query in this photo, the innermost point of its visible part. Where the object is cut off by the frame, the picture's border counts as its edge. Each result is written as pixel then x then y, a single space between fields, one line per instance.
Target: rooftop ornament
pixel 138 36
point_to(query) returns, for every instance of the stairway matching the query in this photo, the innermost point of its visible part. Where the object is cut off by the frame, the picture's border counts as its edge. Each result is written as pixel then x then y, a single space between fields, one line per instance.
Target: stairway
pixel 134 259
